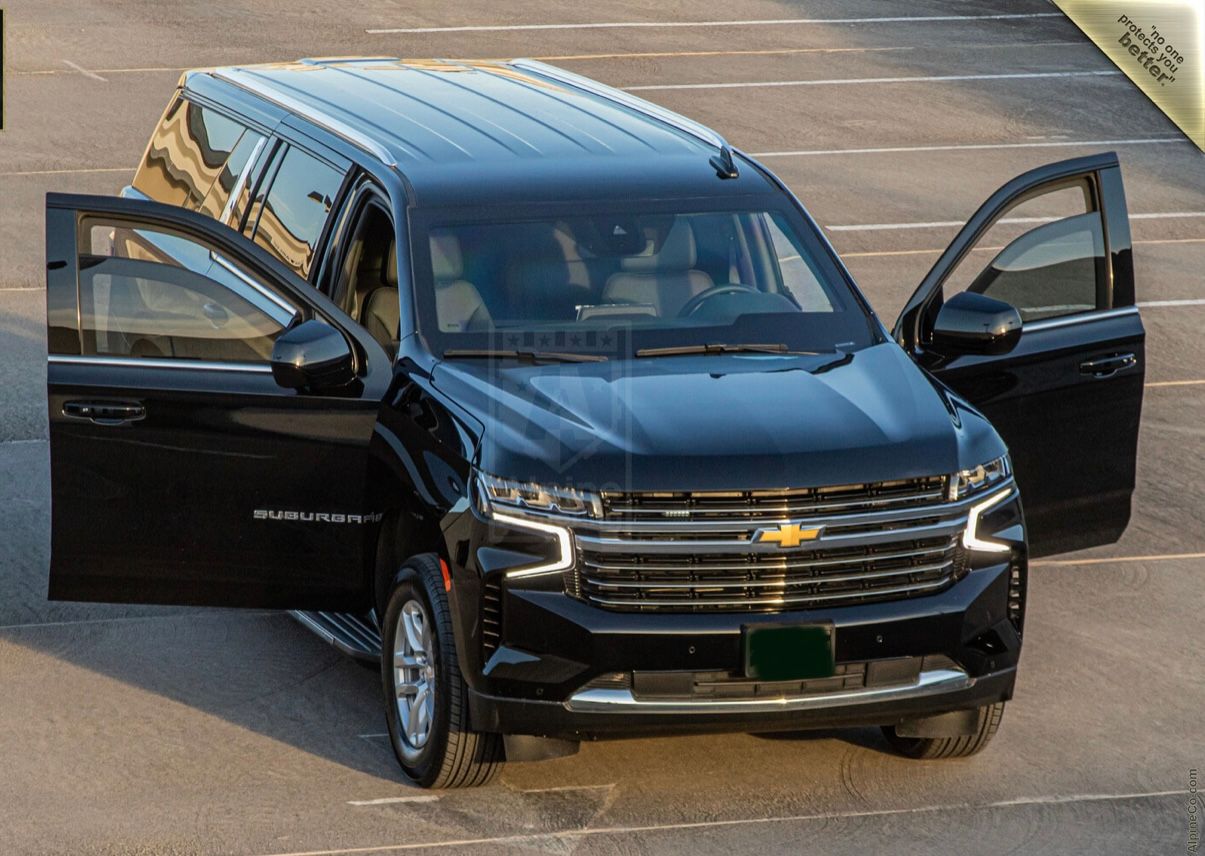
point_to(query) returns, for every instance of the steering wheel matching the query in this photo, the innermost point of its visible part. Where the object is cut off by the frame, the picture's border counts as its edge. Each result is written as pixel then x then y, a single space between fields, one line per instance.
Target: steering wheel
pixel 691 306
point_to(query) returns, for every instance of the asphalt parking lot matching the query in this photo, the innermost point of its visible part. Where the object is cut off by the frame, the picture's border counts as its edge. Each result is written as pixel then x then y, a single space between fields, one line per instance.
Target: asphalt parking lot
pixel 153 730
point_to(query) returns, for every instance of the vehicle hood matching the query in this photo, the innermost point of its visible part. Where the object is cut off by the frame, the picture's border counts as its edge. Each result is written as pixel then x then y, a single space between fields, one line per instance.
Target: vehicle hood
pixel 716 422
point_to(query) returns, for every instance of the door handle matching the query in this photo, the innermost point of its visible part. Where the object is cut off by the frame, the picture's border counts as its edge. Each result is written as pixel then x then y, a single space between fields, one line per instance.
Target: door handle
pixel 105 412
pixel 1103 367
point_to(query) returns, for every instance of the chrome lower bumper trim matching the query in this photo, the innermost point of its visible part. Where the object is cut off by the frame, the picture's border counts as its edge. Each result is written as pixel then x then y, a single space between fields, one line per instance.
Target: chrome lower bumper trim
pixel 929 683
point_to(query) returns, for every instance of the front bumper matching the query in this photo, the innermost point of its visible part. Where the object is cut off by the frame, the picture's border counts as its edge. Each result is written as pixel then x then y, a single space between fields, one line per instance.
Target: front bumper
pixel 541 662
pixel 553 648
pixel 596 714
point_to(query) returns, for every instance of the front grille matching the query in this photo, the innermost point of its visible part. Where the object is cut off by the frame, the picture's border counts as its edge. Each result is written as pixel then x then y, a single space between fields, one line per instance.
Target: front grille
pixel 697 552
pixel 776 504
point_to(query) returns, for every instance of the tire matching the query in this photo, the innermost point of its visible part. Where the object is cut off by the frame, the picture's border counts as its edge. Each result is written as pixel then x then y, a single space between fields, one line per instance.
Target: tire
pixel 432 742
pixel 961 746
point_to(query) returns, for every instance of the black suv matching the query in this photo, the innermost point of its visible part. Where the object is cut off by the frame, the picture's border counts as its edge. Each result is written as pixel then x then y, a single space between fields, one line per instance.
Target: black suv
pixel 567 412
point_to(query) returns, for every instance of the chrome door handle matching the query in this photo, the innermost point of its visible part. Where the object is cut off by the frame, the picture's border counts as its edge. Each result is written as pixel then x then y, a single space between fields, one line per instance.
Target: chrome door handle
pixel 105 412
pixel 1108 366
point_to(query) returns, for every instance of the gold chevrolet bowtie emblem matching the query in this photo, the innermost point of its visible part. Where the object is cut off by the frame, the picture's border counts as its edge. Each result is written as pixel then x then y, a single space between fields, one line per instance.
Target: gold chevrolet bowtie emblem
pixel 787 535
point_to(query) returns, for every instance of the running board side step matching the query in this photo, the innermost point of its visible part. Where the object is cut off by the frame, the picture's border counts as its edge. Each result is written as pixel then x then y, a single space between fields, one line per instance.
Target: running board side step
pixel 354 635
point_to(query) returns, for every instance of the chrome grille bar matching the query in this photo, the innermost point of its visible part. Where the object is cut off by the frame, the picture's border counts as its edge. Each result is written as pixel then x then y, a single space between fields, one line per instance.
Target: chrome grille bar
pixel 775 507
pixel 682 552
pixel 690 545
pixel 781 582
pixel 784 600
pixel 784 565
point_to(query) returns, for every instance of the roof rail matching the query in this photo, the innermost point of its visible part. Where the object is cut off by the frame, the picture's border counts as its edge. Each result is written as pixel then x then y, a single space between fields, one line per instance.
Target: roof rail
pixel 667 117
pixel 340 129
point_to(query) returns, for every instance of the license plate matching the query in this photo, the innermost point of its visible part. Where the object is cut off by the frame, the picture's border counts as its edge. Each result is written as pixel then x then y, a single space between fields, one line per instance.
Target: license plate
pixel 789 653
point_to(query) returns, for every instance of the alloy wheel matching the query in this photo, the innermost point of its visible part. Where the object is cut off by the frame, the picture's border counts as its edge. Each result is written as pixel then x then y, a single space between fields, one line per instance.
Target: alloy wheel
pixel 414 676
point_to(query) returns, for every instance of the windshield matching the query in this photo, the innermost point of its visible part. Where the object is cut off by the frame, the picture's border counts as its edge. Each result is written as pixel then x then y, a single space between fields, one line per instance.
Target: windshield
pixel 614 284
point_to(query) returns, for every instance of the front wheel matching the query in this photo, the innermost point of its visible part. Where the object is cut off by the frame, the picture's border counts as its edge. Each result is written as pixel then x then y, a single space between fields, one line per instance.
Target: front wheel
pixel 987 721
pixel 426 699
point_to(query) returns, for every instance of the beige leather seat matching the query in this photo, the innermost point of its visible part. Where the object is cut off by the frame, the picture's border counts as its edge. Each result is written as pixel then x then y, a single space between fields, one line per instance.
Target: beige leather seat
pixel 458 304
pixel 380 314
pixel 664 280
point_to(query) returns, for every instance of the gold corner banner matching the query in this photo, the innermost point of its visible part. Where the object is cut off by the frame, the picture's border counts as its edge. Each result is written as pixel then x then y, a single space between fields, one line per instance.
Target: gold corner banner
pixel 1159 45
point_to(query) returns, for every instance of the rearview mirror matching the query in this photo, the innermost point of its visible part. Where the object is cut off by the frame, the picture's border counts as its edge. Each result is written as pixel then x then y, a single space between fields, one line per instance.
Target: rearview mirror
pixel 314 356
pixel 972 323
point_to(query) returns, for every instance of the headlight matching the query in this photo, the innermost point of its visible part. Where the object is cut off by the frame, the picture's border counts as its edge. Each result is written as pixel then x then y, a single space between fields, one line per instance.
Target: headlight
pixel 970 535
pixel 980 478
pixel 524 496
pixel 508 502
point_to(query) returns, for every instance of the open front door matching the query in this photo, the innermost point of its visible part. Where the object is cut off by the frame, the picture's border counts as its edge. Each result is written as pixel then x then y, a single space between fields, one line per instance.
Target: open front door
pixel 1055 244
pixel 181 471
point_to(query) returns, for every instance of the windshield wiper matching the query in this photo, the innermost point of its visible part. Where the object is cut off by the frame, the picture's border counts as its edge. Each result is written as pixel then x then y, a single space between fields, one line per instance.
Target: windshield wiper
pixel 721 348
pixel 522 356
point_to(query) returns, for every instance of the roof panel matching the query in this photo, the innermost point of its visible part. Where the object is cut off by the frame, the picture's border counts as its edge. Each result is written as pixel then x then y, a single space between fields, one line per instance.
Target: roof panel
pixel 442 116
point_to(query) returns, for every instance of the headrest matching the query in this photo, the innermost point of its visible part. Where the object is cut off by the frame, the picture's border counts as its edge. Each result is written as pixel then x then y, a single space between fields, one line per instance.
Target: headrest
pixel 446 261
pixel 389 276
pixel 677 252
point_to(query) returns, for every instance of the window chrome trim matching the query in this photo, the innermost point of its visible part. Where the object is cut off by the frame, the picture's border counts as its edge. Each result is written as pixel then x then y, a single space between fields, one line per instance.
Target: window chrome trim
pixel 933 682
pixel 241 182
pixel 1081 318
pixel 155 363
pixel 290 311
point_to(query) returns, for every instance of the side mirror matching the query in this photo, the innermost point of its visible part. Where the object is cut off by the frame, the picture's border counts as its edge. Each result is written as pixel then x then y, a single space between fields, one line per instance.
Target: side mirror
pixel 314 356
pixel 970 323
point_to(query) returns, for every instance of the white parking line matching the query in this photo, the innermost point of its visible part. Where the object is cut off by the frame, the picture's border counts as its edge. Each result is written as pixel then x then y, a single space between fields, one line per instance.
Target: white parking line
pixel 853 81
pixel 68 171
pixel 39 72
pixel 421 798
pixel 137 618
pixel 775 51
pixel 573 834
pixel 620 25
pixel 1190 302
pixel 945 224
pixel 933 252
pixel 84 71
pixel 796 153
pixel 1113 560
pixel 136 70
pixel 1162 383
pixel 560 788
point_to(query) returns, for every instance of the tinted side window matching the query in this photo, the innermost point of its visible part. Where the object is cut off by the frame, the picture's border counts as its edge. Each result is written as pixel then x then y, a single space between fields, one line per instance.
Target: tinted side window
pixel 1047 256
pixel 187 153
pixel 149 293
pixel 1048 271
pixel 296 207
pixel 240 158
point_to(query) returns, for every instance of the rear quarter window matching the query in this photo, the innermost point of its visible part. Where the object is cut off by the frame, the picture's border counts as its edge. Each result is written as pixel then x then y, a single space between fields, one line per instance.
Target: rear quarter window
pixel 187 154
pixel 296 209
